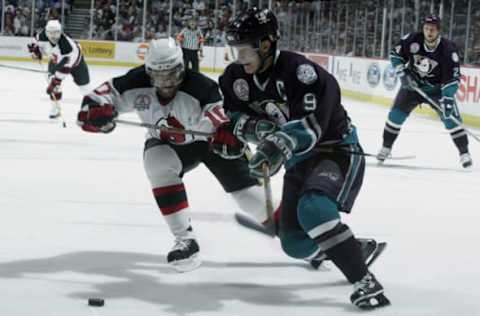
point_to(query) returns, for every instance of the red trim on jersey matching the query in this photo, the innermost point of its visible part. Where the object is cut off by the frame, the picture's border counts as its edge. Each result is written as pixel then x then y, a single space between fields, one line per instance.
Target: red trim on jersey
pixel 174 208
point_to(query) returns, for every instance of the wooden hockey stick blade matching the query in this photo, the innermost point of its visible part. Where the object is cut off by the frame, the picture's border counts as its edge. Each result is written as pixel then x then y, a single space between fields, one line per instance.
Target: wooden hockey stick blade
pixel 249 223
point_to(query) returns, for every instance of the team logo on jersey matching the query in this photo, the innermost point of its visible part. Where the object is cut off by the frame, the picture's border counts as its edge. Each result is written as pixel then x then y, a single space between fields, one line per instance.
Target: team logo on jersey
pixel 142 102
pixel 455 57
pixel 276 111
pixel 306 74
pixel 373 75
pixel 424 65
pixel 390 77
pixel 414 48
pixel 241 90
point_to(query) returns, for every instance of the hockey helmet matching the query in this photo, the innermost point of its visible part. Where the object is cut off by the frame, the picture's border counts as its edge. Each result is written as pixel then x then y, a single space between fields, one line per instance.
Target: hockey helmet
pixel 433 19
pixel 164 65
pixel 53 30
pixel 251 26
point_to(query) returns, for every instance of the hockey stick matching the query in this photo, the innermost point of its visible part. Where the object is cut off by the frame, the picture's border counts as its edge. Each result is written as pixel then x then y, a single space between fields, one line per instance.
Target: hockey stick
pixel 172 130
pixel 52 95
pixel 339 150
pixel 270 225
pixel 439 108
pixel 23 68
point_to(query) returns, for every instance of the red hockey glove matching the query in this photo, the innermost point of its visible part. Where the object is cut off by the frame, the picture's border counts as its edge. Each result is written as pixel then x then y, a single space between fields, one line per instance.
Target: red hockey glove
pixel 54 85
pixel 227 145
pixel 97 118
pixel 34 50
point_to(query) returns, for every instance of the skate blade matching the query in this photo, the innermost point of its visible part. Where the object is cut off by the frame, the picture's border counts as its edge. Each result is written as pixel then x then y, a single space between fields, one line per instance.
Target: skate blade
pixel 187 265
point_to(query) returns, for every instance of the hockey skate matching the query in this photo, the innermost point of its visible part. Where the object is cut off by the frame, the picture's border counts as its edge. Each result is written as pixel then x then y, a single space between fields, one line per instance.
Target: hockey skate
pixel 466 160
pixel 368 293
pixel 55 111
pixel 184 255
pixel 384 154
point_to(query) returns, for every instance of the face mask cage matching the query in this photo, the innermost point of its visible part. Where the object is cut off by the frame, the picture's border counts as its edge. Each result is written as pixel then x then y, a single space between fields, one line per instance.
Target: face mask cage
pixel 53 36
pixel 166 78
pixel 243 54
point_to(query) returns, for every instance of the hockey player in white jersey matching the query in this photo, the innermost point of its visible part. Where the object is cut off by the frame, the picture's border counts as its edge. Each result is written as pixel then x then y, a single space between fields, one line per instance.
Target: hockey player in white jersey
pixel 65 57
pixel 164 93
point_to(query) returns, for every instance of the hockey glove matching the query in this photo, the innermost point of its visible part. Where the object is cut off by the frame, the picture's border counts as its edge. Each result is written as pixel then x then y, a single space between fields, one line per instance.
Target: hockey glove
pixel 34 50
pixel 54 85
pixel 97 118
pixel 409 79
pixel 226 145
pixel 253 130
pixel 447 105
pixel 162 131
pixel 275 149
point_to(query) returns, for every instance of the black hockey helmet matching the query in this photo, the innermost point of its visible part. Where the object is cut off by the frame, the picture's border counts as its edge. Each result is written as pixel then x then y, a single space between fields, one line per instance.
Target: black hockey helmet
pixel 433 19
pixel 251 26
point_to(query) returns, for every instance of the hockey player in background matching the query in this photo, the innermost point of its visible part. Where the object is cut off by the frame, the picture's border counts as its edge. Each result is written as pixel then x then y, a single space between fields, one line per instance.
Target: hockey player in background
pixel 65 57
pixel 427 61
pixel 291 108
pixel 164 93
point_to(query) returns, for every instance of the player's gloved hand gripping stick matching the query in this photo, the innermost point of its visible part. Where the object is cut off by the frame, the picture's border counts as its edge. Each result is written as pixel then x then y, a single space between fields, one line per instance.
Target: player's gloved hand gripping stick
pixel 451 117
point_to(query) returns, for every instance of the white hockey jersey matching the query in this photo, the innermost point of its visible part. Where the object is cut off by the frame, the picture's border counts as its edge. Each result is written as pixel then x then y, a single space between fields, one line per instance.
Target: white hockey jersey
pixel 198 104
pixel 66 54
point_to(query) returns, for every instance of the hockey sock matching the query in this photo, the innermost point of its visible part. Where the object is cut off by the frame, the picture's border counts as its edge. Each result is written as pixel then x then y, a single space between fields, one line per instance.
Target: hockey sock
pixel 173 203
pixel 319 217
pixel 459 136
pixel 392 126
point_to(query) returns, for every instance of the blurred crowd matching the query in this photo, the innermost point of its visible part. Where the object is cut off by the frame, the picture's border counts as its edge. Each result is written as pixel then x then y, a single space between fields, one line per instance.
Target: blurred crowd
pixel 17 15
pixel 343 27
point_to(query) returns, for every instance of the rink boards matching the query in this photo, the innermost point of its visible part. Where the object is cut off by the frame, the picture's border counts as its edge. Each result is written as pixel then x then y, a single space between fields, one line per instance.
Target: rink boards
pixel 365 79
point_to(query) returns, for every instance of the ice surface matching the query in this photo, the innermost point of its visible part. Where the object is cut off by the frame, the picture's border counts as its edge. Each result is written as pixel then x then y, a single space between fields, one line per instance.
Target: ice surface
pixel 79 221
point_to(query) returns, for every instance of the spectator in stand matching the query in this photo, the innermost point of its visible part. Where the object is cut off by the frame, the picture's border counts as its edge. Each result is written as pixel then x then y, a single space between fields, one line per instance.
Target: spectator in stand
pixel 191 41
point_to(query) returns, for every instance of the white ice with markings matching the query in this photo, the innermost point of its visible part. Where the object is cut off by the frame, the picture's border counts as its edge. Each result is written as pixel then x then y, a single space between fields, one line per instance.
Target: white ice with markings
pixel 79 221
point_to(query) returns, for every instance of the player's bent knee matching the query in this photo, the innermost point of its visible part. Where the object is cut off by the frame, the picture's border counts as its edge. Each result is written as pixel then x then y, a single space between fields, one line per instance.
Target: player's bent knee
pixel 397 116
pixel 297 244
pixel 317 213
pixel 162 165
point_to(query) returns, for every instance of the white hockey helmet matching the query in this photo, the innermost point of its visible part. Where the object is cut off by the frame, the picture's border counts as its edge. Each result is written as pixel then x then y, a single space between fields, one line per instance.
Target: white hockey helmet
pixel 53 31
pixel 164 64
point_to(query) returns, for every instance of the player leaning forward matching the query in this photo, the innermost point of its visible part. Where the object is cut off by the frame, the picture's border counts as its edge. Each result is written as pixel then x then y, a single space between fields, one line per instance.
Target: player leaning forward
pixel 429 62
pixel 292 108
pixel 65 57
pixel 164 93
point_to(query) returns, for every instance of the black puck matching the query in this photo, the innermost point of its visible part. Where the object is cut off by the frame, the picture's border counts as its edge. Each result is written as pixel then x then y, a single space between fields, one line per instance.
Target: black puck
pixel 94 301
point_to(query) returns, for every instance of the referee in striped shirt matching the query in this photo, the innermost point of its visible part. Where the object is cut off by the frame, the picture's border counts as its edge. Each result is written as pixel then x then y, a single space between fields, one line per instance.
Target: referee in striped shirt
pixel 191 41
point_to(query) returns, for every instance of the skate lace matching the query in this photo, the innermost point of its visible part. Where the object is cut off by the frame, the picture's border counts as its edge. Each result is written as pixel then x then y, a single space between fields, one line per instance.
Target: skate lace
pixel 364 283
pixel 181 244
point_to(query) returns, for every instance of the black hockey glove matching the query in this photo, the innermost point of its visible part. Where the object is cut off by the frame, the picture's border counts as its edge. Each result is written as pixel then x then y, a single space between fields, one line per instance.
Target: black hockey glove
pixel 447 105
pixel 274 150
pixel 253 130
pixel 226 145
pixel 96 118
pixel 410 79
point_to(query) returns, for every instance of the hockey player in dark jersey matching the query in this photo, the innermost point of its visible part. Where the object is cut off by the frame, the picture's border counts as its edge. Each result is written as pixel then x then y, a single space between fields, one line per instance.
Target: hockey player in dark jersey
pixel 291 108
pixel 65 57
pixel 164 93
pixel 427 61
